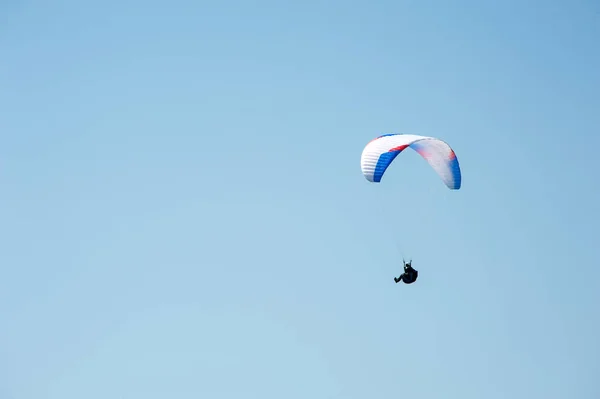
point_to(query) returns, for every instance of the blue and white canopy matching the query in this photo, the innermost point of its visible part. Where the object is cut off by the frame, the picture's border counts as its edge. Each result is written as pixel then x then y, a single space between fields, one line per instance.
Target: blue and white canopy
pixel 381 152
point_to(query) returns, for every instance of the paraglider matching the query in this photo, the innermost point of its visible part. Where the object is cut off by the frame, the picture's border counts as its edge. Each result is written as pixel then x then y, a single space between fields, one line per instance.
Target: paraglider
pixel 409 276
pixel 380 152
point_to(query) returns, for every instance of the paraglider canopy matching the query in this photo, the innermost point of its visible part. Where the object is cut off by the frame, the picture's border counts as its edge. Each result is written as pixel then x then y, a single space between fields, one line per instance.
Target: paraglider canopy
pixel 380 152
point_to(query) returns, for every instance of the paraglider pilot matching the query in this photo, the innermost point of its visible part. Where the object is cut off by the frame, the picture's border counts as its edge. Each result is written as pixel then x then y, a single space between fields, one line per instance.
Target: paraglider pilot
pixel 409 276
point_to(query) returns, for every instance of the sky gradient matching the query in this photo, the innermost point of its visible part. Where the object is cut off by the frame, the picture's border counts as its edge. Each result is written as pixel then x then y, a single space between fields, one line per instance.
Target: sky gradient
pixel 183 212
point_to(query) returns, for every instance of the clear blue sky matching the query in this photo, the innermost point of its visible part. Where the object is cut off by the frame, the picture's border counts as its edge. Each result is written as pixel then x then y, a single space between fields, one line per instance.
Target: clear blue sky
pixel 182 211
